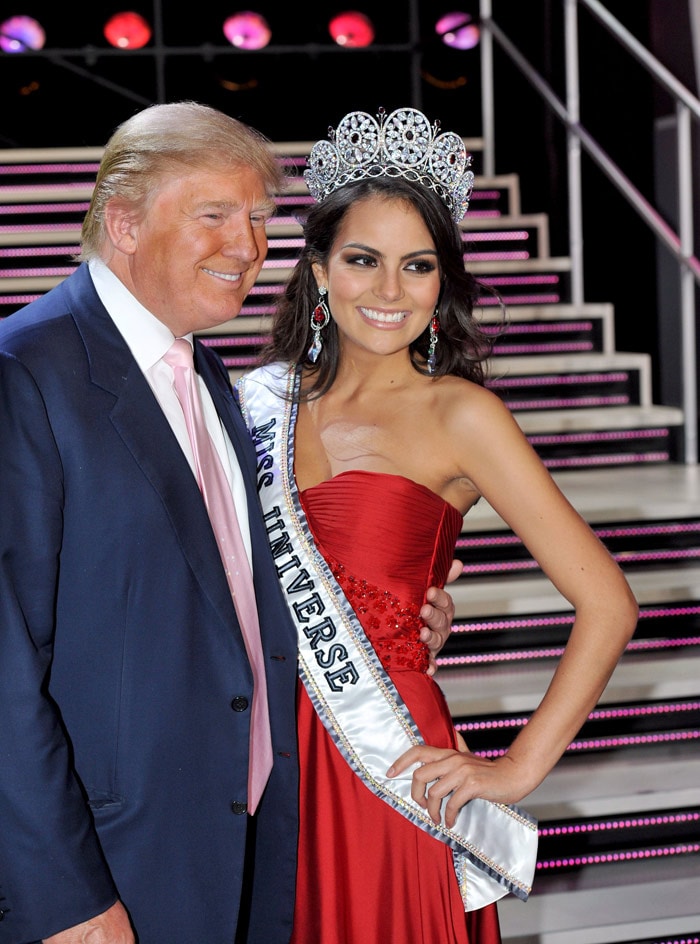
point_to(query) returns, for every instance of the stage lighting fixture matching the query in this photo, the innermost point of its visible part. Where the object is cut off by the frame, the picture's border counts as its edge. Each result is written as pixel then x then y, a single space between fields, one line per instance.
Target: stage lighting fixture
pixel 127 30
pixel 457 30
pixel 247 30
pixel 20 33
pixel 351 29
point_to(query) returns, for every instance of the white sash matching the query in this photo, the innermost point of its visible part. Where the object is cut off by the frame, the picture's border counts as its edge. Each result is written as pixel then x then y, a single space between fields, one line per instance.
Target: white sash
pixel 494 845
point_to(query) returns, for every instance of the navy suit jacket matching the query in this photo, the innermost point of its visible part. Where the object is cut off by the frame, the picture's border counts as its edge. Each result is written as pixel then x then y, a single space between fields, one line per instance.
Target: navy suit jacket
pixel 124 682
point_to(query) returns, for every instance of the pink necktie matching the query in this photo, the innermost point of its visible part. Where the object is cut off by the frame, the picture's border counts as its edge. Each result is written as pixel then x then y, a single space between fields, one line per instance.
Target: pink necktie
pixel 216 492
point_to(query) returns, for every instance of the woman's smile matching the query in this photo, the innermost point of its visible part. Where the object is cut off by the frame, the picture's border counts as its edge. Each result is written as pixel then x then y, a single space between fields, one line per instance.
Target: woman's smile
pixel 378 316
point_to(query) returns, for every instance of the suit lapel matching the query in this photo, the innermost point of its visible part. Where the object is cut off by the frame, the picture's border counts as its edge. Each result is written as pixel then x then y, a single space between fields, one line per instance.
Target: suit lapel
pixel 142 426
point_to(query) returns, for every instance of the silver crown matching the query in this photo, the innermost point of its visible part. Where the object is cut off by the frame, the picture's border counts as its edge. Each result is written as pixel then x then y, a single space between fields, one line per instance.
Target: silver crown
pixel 402 144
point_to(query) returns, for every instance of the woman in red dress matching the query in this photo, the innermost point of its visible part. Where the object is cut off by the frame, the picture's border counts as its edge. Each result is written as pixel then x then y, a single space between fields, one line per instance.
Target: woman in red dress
pixel 390 437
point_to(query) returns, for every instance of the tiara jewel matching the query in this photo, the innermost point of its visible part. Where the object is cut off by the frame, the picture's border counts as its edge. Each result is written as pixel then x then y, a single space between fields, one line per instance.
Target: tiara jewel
pixel 402 144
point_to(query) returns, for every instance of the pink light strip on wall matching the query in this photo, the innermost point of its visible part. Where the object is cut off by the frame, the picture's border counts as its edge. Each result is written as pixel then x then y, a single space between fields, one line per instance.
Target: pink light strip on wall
pixel 552 380
pixel 589 462
pixel 566 619
pixel 676 527
pixel 90 167
pixel 503 256
pixel 614 825
pixel 486 301
pixel 600 744
pixel 622 557
pixel 48 271
pixel 26 252
pixel 496 236
pixel 560 327
pixel 52 228
pixel 564 403
pixel 521 280
pixel 598 436
pixel 628 855
pixel 554 652
pixel 12 209
pixel 234 341
pixel 553 347
pixel 286 243
pixel 17 299
pixel 598 714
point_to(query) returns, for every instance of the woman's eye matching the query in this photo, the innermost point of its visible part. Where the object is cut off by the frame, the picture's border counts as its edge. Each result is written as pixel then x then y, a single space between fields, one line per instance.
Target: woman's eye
pixel 422 265
pixel 361 260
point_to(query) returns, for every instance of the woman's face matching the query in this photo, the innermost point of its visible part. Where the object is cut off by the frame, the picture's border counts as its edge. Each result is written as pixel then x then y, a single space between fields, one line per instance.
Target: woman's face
pixel 382 276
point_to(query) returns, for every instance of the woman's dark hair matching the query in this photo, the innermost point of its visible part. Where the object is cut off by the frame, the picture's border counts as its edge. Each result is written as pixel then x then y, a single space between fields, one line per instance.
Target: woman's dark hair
pixel 462 348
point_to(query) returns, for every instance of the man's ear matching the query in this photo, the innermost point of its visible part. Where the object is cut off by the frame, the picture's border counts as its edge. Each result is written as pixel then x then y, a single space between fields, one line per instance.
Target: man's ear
pixel 121 225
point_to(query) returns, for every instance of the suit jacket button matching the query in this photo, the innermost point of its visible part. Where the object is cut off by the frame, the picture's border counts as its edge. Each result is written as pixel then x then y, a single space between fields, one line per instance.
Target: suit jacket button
pixel 2 913
pixel 238 807
pixel 239 703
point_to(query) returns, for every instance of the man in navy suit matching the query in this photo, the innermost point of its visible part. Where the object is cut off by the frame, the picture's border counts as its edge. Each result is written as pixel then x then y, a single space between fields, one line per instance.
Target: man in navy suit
pixel 125 688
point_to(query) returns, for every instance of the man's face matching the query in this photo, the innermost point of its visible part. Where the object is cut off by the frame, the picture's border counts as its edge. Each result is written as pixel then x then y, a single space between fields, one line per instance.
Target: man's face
pixel 198 248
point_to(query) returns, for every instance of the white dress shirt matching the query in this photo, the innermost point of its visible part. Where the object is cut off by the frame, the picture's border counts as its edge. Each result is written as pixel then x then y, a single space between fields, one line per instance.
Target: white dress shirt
pixel 149 339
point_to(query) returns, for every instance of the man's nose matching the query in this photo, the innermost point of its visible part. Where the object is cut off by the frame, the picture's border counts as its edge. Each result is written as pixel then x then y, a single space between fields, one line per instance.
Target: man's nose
pixel 244 242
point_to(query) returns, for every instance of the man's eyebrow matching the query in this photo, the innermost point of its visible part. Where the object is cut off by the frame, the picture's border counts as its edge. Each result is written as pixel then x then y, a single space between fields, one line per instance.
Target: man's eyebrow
pixel 268 207
pixel 215 205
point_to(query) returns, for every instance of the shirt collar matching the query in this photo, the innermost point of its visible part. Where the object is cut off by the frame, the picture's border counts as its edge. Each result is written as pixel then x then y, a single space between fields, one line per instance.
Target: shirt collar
pixel 147 337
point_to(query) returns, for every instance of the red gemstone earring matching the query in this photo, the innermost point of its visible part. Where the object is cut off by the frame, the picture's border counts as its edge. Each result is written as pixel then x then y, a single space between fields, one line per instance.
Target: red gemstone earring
pixel 320 317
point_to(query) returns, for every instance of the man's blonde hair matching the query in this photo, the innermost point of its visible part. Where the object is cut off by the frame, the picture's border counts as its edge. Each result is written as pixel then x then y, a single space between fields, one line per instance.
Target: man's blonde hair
pixel 158 141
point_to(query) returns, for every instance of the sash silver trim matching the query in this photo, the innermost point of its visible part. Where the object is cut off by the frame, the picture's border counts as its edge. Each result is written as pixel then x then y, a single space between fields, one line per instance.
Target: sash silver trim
pixel 494 845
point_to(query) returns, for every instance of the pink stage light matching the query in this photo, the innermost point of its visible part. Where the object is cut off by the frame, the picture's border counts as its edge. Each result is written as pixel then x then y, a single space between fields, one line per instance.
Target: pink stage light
pixel 351 29
pixel 127 31
pixel 457 30
pixel 20 33
pixel 247 30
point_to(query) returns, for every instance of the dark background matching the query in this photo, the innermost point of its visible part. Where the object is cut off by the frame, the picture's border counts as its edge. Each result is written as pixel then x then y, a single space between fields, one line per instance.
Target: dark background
pixel 78 89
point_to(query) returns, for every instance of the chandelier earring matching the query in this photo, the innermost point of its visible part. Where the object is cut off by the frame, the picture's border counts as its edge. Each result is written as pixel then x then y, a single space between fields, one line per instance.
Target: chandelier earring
pixel 434 331
pixel 320 317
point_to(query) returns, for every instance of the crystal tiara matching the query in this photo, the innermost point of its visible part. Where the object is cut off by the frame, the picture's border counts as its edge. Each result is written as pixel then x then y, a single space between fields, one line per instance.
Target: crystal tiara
pixel 402 144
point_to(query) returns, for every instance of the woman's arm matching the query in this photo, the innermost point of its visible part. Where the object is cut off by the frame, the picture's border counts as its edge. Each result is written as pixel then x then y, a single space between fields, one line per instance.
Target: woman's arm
pixel 508 473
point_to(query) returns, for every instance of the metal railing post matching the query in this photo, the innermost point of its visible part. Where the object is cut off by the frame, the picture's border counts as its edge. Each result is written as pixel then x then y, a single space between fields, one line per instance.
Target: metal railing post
pixel 573 150
pixel 687 286
pixel 487 110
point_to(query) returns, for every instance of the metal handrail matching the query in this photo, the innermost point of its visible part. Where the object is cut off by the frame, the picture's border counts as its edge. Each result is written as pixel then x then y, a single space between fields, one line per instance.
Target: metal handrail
pixel 680 243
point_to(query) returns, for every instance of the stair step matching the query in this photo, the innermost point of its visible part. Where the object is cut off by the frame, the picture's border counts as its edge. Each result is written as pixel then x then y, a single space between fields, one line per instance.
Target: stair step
pixel 570 363
pixel 488 690
pixel 608 436
pixel 663 492
pixel 607 784
pixel 632 544
pixel 626 903
pixel 612 418
pixel 564 381
pixel 478 598
pixel 623 729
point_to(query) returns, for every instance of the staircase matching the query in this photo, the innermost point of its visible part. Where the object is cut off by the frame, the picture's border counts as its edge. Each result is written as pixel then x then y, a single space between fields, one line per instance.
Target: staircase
pixel 619 817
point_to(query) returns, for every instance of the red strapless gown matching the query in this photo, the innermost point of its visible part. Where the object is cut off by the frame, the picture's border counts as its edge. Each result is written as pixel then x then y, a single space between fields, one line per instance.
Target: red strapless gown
pixel 366 875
